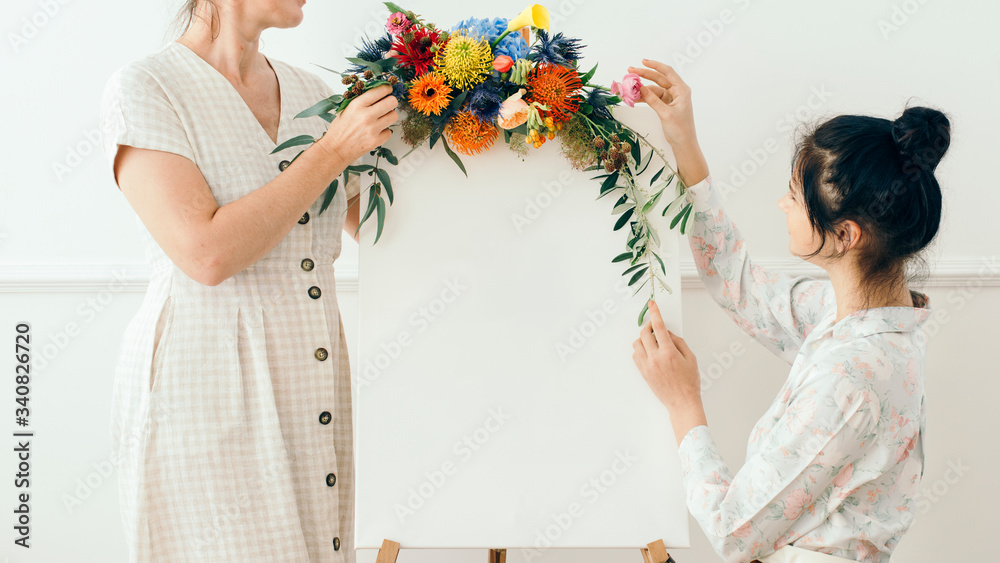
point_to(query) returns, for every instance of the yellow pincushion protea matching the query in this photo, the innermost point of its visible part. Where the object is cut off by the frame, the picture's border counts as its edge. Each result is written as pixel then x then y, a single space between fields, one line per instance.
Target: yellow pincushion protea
pixel 464 61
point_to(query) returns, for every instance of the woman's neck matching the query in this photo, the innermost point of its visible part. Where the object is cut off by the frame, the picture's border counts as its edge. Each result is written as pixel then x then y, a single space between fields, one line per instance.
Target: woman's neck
pixel 233 51
pixel 852 295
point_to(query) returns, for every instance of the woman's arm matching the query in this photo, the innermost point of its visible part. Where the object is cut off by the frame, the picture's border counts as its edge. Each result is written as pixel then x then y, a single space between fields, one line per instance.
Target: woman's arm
pixel 773 308
pixel 211 243
pixel 800 463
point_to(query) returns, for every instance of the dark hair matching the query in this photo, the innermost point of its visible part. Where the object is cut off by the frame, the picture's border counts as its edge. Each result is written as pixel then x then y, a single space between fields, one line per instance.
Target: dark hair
pixel 187 14
pixel 880 174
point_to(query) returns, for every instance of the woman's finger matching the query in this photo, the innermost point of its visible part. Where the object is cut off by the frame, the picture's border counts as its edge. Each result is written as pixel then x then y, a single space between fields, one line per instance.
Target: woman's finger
pixel 652 75
pixel 648 340
pixel 640 350
pixel 659 329
pixel 666 70
pixel 651 99
pixel 681 345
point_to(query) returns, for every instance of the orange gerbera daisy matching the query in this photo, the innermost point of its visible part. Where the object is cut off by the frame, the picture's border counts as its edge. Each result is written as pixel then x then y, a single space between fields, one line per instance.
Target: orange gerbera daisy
pixel 557 87
pixel 470 135
pixel 429 94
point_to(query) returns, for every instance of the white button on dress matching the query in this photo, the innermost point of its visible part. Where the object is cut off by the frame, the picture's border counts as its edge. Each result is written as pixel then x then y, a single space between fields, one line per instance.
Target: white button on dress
pixel 221 391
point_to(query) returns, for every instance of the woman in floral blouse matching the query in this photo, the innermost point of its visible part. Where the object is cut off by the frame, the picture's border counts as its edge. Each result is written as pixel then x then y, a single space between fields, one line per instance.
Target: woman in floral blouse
pixel 832 467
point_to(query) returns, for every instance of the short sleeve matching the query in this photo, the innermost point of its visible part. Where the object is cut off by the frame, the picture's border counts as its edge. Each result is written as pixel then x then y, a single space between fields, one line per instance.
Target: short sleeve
pixel 136 111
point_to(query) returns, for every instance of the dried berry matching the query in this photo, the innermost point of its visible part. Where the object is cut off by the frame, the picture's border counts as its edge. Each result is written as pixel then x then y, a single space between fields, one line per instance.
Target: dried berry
pixel 369 74
pixel 598 142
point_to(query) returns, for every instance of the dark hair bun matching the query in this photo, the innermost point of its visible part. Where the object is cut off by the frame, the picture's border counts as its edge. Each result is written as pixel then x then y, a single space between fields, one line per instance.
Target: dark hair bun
pixel 922 136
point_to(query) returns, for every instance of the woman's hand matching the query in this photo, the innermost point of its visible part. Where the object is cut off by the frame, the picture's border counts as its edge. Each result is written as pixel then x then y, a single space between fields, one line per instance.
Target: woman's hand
pixel 363 125
pixel 670 98
pixel 670 369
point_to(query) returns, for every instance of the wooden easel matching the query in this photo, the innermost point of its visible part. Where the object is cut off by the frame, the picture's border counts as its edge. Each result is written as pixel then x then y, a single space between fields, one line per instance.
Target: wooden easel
pixel 654 552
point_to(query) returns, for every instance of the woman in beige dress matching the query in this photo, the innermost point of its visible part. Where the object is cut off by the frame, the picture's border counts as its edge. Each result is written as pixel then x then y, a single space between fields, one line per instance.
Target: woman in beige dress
pixel 232 396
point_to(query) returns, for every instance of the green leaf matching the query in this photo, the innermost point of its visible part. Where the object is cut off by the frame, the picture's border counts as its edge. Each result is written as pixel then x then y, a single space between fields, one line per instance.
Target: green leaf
pixel 642 313
pixel 586 109
pixel 322 106
pixel 328 117
pixel 383 177
pixel 454 156
pixel 612 100
pixel 687 214
pixel 358 168
pixel 623 219
pixel 372 197
pixel 590 74
pixel 660 260
pixel 609 182
pixel 435 135
pixel 638 275
pixel 677 218
pixel 636 154
pixel 390 157
pixel 331 191
pixel 652 202
pixel 633 268
pixel 657 175
pixel 294 142
pixel 380 204
pixel 645 162
pixel 374 66
pixel 622 257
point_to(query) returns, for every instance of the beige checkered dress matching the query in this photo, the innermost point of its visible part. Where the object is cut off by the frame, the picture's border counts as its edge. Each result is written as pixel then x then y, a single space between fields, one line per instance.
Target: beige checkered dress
pixel 232 403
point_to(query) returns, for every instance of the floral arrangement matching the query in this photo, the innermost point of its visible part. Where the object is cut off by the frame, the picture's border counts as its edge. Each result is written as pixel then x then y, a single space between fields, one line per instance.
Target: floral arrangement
pixel 461 87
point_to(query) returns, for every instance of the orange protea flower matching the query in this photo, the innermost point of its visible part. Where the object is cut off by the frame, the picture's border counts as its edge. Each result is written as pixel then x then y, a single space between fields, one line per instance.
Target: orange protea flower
pixel 429 94
pixel 470 135
pixel 557 87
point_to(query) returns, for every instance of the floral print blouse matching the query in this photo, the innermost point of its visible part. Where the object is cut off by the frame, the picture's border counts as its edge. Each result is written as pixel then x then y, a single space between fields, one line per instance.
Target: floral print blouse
pixel 833 465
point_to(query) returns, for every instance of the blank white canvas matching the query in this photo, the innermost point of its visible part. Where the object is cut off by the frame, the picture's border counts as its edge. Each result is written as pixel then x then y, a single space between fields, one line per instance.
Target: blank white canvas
pixel 498 403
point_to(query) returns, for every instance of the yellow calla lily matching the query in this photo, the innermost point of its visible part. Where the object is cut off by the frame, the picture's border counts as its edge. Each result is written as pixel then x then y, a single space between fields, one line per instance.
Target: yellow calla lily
pixel 534 15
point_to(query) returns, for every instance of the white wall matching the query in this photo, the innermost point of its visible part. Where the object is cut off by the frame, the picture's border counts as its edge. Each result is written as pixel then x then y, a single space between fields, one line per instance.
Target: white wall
pixel 65 231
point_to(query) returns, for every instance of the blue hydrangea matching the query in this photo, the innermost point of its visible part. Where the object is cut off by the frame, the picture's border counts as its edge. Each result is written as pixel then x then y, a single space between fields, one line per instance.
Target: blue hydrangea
pixel 514 46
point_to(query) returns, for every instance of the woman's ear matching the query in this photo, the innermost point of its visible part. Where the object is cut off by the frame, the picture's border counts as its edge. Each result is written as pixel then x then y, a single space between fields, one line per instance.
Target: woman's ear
pixel 848 235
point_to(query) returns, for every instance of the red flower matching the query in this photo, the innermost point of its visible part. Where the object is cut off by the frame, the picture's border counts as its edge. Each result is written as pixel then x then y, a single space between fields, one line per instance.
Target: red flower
pixel 414 49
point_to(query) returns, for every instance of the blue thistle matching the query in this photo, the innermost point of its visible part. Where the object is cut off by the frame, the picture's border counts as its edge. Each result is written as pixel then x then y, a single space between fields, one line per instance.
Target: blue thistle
pixel 598 99
pixel 484 101
pixel 371 51
pixel 557 50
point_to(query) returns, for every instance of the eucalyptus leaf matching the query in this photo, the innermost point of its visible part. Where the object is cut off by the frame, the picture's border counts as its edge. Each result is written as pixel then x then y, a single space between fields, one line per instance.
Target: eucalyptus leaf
pixel 328 195
pixel 380 204
pixel 322 106
pixel 383 177
pixel 294 142
pixel 454 156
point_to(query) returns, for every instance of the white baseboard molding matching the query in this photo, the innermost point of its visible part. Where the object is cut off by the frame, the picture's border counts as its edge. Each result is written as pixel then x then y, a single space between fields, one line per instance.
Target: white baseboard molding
pixel 134 277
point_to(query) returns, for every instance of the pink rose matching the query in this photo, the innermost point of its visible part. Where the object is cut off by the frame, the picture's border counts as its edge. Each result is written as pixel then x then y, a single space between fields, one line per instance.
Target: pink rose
pixel 628 89
pixel 502 63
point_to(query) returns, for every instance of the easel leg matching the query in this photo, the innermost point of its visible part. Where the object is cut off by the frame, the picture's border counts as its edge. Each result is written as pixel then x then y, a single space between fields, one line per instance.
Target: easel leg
pixel 498 556
pixel 388 552
pixel 656 552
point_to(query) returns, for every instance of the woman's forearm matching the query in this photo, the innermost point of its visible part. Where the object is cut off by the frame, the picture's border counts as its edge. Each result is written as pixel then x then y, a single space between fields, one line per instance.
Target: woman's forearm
pixel 691 164
pixel 241 232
